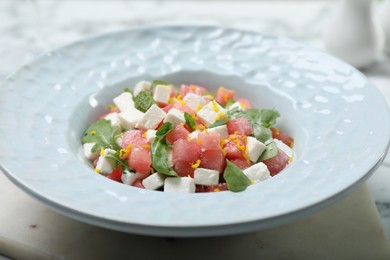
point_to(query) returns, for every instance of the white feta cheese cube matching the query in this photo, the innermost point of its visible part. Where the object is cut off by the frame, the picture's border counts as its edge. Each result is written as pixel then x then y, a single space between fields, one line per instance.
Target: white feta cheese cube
pixel 88 151
pixel 129 177
pixel 204 176
pixel 179 184
pixel 257 172
pixel 130 117
pixel 194 135
pixel 255 148
pixel 285 148
pixel 221 130
pixel 150 135
pixel 140 86
pixel 153 181
pixel 124 101
pixel 105 165
pixel 175 117
pixel 114 119
pixel 162 93
pixel 193 101
pixel 152 118
pixel 236 105
pixel 211 113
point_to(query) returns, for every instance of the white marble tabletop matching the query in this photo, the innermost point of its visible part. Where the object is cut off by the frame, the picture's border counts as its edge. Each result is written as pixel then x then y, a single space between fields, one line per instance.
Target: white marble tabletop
pixel 29 28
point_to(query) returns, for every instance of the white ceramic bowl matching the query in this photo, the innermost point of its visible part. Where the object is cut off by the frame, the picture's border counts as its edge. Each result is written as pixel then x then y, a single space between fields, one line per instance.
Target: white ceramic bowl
pixel 340 122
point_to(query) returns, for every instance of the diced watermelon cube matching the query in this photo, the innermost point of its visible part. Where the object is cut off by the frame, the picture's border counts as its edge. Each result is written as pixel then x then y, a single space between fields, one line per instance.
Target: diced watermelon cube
pixel 134 137
pixel 140 160
pixel 241 163
pixel 235 148
pixel 223 95
pixel 285 138
pixel 277 163
pixel 179 132
pixel 185 89
pixel 245 103
pixel 210 140
pixel 240 126
pixel 185 151
pixel 213 160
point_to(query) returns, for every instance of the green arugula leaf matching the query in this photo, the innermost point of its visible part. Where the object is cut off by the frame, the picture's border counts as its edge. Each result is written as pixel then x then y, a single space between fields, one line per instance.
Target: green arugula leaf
pixel 229 103
pixel 235 178
pixel 268 117
pixel 164 130
pixel 159 151
pixel 115 158
pixel 128 90
pixel 143 101
pixel 190 121
pixel 219 123
pixel 265 117
pixel 270 151
pixel 103 134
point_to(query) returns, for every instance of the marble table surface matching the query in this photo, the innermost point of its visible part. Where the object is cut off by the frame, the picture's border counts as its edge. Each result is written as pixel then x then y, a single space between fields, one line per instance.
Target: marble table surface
pixel 30 28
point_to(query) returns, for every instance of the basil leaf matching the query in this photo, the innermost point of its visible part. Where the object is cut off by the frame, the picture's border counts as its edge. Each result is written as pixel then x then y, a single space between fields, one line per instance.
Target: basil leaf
pixel 219 123
pixel 128 90
pixel 261 133
pixel 159 151
pixel 270 152
pixel 190 121
pixel 156 82
pixel 268 117
pixel 235 178
pixel 229 103
pixel 103 134
pixel 115 158
pixel 164 130
pixel 143 101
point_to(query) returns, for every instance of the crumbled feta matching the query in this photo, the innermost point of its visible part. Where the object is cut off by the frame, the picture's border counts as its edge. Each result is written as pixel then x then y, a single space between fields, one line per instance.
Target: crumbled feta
pixel 105 165
pixel 285 148
pixel 175 117
pixel 130 117
pixel 150 135
pixel 152 118
pixel 140 86
pixel 206 177
pixel 255 148
pixel 194 101
pixel 153 181
pixel 124 101
pixel 221 130
pixel 162 93
pixel 129 177
pixel 179 184
pixel 88 151
pixel 114 119
pixel 211 113
pixel 257 172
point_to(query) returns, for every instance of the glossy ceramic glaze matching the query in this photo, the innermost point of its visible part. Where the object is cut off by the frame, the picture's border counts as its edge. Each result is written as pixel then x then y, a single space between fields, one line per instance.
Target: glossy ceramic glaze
pixel 339 120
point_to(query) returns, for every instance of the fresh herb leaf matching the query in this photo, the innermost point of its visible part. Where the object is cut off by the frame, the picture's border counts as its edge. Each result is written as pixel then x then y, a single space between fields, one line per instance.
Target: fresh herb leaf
pixel 159 82
pixel 115 157
pixel 219 123
pixel 265 117
pixel 103 134
pixel 190 121
pixel 261 133
pixel 159 151
pixel 230 102
pixel 128 90
pixel 268 117
pixel 235 178
pixel 143 101
pixel 270 151
pixel 164 130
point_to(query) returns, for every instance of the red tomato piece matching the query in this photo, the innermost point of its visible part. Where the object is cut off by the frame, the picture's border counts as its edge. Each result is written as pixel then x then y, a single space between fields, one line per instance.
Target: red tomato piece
pixel 245 103
pixel 213 160
pixel 140 160
pixel 277 163
pixel 285 138
pixel 223 95
pixel 134 137
pixel 179 132
pixel 116 174
pixel 185 151
pixel 138 183
pixel 241 163
pixel 185 89
pixel 240 126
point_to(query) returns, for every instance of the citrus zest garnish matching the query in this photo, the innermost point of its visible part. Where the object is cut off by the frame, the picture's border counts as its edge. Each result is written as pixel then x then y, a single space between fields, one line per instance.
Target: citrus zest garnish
pixel 276 131
pixel 215 106
pixel 144 134
pixel 102 151
pixel 97 170
pixel 199 107
pixel 216 190
pixel 201 127
pixel 170 101
pixel 151 169
pixel 123 153
pixel 112 107
pixel 146 146
pixel 219 116
pixel 196 164
pixel 92 132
